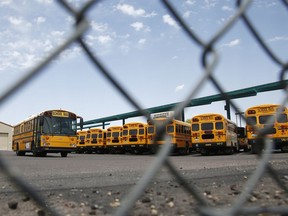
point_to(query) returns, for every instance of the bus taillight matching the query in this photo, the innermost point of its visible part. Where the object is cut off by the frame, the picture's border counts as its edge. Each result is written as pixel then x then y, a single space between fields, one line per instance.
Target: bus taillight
pixel 195 134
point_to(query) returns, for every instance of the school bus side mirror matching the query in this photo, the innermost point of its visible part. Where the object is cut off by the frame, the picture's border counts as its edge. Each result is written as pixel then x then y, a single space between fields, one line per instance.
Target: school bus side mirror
pixel 81 122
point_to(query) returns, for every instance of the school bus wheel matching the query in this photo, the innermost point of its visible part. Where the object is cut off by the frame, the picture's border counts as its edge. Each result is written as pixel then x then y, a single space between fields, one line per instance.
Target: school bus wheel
pixel 64 154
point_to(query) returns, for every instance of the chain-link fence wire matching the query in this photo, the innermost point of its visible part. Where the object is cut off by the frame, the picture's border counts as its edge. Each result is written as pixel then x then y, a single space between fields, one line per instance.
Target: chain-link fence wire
pixel 209 61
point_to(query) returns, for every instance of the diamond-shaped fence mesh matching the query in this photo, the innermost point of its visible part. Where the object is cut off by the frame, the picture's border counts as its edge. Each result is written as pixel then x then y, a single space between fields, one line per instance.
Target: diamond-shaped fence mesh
pixel 208 63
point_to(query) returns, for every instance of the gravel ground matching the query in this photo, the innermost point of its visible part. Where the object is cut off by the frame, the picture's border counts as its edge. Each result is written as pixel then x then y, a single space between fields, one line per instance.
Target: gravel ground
pixel 164 196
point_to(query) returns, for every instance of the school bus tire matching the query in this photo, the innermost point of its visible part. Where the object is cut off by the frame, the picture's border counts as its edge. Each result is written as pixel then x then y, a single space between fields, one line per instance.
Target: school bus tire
pixel 204 152
pixel 43 154
pixel 229 150
pixel 64 154
pixel 256 148
pixel 35 153
pixel 284 149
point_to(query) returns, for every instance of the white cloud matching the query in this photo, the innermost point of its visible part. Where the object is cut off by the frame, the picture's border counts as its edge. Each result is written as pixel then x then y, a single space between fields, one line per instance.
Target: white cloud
pixel 137 25
pixel 142 41
pixel 57 33
pixel 208 4
pixel 5 2
pixel 131 11
pixel 190 2
pixel 278 38
pixel 45 1
pixel 19 23
pixel 103 39
pixel 39 20
pixel 100 27
pixel 15 20
pixel 226 8
pixel 179 88
pixel 187 14
pixel 232 43
pixel 28 60
pixel 170 21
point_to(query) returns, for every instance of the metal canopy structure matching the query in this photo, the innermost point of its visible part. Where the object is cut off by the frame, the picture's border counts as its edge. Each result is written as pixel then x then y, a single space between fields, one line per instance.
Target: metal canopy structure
pixel 242 93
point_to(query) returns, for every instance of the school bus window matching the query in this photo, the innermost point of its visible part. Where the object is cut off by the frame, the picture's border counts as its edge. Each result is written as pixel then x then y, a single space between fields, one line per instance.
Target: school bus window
pixel 207 126
pixel 251 120
pixel 150 130
pixel 94 136
pixel 109 134
pixel 141 131
pixel 88 136
pixel 115 134
pixel 187 130
pixel 99 136
pixel 219 125
pixel 170 129
pixel 125 132
pixel 266 118
pixel 195 127
pixel 133 132
pixel 282 118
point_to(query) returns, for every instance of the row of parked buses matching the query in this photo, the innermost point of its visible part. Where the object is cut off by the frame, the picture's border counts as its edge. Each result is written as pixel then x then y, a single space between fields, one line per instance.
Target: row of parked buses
pixel 135 137
pixel 56 131
pixel 207 133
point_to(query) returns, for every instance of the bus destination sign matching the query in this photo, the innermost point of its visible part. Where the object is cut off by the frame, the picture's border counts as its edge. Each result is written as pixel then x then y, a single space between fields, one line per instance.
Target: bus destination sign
pixel 59 113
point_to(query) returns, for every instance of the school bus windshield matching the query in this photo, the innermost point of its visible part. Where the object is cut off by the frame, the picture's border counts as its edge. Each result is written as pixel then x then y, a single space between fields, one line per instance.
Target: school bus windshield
pixel 59 125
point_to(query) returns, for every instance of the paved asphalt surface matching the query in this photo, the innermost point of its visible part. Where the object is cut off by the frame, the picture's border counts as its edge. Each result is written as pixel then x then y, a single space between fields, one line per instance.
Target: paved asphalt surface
pixel 94 184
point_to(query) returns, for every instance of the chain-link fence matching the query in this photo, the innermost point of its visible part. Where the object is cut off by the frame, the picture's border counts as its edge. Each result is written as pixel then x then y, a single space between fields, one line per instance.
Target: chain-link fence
pixel 208 61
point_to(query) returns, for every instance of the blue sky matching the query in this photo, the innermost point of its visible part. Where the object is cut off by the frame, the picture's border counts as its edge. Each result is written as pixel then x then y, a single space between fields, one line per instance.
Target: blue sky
pixel 143 46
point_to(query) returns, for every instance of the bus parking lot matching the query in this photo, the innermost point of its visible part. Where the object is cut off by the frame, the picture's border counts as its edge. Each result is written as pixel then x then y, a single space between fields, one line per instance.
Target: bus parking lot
pixel 95 184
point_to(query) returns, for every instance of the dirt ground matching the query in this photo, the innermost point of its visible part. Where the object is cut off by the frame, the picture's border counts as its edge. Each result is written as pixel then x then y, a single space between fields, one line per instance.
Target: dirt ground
pixel 162 197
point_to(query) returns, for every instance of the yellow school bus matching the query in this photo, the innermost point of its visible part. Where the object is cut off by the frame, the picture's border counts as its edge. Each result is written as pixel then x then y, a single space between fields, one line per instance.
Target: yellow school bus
pixel 276 126
pixel 134 137
pixel 114 139
pixel 242 139
pixel 178 131
pixel 51 131
pixel 81 141
pixel 97 141
pixel 213 133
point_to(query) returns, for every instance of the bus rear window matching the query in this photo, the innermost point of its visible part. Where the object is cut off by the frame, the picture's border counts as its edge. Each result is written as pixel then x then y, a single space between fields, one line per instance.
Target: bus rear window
pixel 195 127
pixel 282 118
pixel 251 120
pixel 207 126
pixel 125 132
pixel 133 132
pixel 266 118
pixel 115 134
pixel 219 125
pixel 170 129
pixel 150 130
